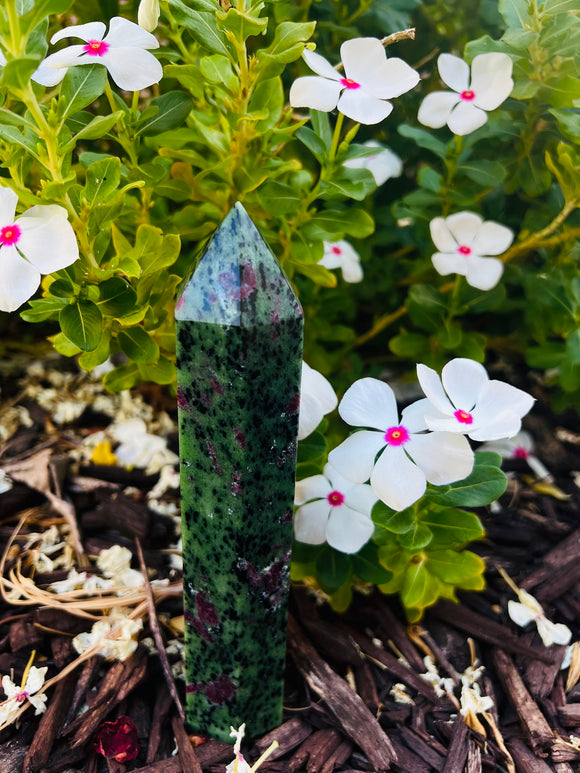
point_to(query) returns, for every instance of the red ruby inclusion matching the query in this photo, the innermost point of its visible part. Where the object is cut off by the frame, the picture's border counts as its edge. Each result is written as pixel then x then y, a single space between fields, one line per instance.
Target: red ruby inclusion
pixel 335 498
pixel 10 234
pixel 397 436
pixel 348 83
pixel 96 48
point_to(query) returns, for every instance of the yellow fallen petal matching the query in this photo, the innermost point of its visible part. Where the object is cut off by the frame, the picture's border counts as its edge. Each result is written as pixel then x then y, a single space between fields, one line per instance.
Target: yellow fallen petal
pixel 103 454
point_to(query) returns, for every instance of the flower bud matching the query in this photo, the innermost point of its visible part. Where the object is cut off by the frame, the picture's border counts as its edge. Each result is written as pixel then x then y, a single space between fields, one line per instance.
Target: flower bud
pixel 148 14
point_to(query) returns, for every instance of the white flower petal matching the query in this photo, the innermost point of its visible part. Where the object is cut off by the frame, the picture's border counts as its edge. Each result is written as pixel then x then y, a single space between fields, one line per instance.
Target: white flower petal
pixel 310 415
pixel 320 65
pixel 369 403
pixel 413 416
pixel 553 633
pixel 314 487
pixel 363 107
pixel 123 32
pixel 442 456
pixel 337 481
pixel 342 255
pixel 466 118
pixel 396 480
pixel 8 202
pixel 315 92
pixel 463 380
pixel 47 238
pixel 35 679
pixel 310 522
pixel 360 497
pixel 384 165
pixel 20 279
pixel 348 530
pixel 431 385
pixel 52 70
pixel 499 410
pixel 491 79
pixel 464 226
pixel 521 614
pixel 94 30
pixel 442 237
pixel 492 239
pixel 131 68
pixel 317 398
pixel 448 263
pixel 435 109
pixel 454 72
pixel 354 458
pixel 483 273
pixel 363 60
pixel 2 59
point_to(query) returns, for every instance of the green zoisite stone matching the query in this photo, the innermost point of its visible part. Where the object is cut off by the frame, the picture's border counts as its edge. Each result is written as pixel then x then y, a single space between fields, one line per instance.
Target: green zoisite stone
pixel 239 355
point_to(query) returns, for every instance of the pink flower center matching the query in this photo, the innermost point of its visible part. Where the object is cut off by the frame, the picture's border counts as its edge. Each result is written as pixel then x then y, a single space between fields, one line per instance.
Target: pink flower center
pixel 467 95
pixel 520 453
pixel 397 436
pixel 335 498
pixel 336 250
pixel 348 83
pixel 20 697
pixel 463 249
pixel 463 417
pixel 96 48
pixel 9 234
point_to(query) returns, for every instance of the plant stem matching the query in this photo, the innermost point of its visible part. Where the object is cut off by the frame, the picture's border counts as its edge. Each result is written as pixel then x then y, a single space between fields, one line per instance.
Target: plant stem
pixel 335 138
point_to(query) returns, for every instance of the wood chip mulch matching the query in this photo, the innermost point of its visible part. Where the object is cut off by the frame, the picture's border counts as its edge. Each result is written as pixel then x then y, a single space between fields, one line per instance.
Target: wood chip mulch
pixel 355 698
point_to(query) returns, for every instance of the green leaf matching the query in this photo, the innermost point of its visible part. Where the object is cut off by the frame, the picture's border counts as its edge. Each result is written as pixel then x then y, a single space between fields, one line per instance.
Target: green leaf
pixel 202 27
pixel 417 537
pixel 411 346
pixel 321 125
pixel 196 5
pixel 485 484
pixel 287 46
pixel 568 123
pixel 426 306
pixel 16 72
pixel 333 224
pixel 82 323
pixel 103 178
pixel 90 360
pixel 138 345
pixel 28 141
pixel 454 567
pixel 279 198
pixel 122 378
pixel 97 128
pixel 241 24
pixel 452 528
pixel 397 522
pixel 218 69
pixel 313 142
pixel 318 274
pixel 348 183
pixel 80 87
pixel 552 7
pixel 332 569
pixel 117 297
pixel 516 13
pixel 160 372
pixel 267 99
pixel 173 109
pixel 486 173
pixel 43 309
pixel 423 139
pixel 312 447
pixel 366 565
pixel 420 588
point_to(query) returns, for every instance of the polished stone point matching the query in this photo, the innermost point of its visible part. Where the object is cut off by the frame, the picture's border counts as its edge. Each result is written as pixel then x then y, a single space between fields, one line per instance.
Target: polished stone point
pixel 239 354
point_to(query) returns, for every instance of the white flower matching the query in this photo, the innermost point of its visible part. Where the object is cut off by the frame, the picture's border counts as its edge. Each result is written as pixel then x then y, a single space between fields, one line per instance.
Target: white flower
pixel 17 694
pixel 464 108
pixel 317 398
pixel 2 59
pixel 520 446
pixel 361 93
pixel 115 635
pixel 138 448
pixel 123 51
pixel 5 482
pixel 464 241
pixel 148 14
pixel 472 701
pixel 383 165
pixel 334 510
pixel 465 400
pixel 528 609
pixel 115 563
pixel 342 255
pixel 40 241
pixel 409 457
pixel 80 580
pixel 443 685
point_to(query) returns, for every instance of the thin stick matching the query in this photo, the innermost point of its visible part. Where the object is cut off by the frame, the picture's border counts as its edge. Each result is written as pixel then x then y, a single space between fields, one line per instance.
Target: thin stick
pixel 158 638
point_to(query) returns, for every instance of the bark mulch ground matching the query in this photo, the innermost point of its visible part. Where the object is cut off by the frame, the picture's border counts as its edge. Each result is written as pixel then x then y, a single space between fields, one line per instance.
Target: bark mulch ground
pixel 355 698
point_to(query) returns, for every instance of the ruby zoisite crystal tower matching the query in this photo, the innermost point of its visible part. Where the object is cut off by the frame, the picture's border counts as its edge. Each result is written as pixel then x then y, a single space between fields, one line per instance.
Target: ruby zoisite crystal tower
pixel 239 355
